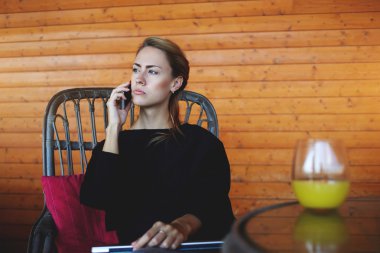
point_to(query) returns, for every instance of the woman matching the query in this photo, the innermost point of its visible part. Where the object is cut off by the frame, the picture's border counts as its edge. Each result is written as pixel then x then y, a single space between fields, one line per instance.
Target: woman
pixel 160 182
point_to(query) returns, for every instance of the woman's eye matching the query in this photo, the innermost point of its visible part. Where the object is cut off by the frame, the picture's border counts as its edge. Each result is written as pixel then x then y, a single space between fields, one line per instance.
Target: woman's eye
pixel 151 71
pixel 135 70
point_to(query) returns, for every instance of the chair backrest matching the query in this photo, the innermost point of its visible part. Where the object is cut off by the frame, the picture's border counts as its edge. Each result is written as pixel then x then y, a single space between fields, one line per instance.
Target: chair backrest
pixel 70 133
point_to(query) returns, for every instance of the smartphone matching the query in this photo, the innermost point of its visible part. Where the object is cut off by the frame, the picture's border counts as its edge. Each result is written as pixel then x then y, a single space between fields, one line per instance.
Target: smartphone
pixel 128 95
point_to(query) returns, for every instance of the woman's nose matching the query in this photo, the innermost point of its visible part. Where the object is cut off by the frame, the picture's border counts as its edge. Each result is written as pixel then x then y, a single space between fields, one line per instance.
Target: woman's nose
pixel 140 78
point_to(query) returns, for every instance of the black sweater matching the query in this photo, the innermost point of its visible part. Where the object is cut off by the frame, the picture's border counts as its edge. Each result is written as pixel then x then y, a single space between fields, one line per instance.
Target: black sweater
pixel 162 181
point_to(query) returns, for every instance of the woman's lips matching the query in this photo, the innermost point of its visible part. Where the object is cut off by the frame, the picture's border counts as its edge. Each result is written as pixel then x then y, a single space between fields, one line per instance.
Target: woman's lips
pixel 138 92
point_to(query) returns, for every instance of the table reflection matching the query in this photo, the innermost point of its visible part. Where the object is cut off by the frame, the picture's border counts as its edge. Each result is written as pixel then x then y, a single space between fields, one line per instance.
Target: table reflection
pixel 288 227
pixel 320 232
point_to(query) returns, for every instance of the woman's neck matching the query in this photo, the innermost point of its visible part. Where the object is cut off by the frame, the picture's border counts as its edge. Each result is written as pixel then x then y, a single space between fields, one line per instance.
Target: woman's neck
pixel 150 118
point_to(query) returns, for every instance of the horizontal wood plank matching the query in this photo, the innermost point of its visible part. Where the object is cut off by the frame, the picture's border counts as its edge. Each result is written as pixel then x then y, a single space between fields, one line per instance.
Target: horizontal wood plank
pixel 8 125
pixel 22 171
pixel 291 72
pixel 24 186
pixel 367 156
pixel 19 217
pixel 194 26
pixel 285 56
pixel 14 6
pixel 300 122
pixel 357 157
pixel 285 39
pixel 22 201
pixel 338 6
pixel 10 232
pixel 296 106
pixel 276 173
pixel 365 54
pixel 289 139
pixel 138 13
pixel 14 245
pixel 326 6
pixel 282 89
pixel 242 206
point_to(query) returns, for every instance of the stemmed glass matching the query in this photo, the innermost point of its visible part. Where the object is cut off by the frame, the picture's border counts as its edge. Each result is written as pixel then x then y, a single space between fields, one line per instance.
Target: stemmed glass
pixel 320 177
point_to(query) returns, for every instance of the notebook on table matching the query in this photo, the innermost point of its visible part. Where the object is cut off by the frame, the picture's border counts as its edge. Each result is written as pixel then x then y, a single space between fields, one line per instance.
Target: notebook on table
pixel 204 247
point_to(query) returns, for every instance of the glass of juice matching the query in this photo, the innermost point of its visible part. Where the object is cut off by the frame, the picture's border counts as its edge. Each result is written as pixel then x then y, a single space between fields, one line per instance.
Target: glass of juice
pixel 320 177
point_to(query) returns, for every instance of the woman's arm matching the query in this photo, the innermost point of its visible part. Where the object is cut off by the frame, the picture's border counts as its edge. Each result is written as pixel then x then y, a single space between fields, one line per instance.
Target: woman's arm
pixel 99 181
pixel 111 144
pixel 102 170
pixel 208 197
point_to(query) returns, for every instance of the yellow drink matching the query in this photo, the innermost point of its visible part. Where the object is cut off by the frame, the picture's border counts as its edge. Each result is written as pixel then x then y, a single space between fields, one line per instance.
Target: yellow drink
pixel 320 194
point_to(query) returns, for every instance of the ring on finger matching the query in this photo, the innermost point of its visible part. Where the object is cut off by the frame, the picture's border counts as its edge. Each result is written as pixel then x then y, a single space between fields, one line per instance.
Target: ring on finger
pixel 162 231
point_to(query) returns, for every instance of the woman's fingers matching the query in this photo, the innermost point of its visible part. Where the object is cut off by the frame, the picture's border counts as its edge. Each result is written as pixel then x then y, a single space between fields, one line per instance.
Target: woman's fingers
pixel 162 235
pixel 124 87
pixel 175 244
pixel 148 236
pixel 157 239
pixel 170 240
pixel 120 88
pixel 115 97
pixel 118 94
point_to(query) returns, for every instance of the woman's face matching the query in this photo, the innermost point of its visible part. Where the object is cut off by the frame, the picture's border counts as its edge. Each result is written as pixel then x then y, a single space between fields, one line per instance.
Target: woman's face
pixel 152 80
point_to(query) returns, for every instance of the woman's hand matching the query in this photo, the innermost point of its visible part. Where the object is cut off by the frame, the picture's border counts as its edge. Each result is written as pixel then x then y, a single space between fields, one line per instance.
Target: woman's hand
pixel 168 235
pixel 117 116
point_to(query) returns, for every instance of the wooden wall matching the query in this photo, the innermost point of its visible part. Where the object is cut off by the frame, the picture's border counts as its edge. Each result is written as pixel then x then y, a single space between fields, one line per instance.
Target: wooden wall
pixel 276 70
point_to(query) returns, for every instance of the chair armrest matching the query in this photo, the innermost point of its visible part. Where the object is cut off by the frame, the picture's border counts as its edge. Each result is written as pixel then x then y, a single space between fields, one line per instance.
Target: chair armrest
pixel 43 235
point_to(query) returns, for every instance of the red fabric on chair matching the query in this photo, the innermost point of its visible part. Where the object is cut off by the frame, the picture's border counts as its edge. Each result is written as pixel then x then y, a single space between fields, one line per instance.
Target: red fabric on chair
pixel 79 227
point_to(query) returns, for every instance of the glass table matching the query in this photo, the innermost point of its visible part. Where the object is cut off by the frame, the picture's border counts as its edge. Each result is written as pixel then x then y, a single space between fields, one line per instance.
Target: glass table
pixel 288 227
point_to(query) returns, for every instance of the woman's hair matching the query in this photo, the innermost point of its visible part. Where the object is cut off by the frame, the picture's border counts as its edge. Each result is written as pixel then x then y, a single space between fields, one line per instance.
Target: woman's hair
pixel 180 67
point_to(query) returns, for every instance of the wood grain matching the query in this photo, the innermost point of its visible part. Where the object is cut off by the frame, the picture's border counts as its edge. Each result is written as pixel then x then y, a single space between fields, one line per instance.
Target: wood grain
pixel 368 20
pixel 112 77
pixel 139 13
pixel 22 201
pixel 200 58
pixel 11 6
pixel 213 41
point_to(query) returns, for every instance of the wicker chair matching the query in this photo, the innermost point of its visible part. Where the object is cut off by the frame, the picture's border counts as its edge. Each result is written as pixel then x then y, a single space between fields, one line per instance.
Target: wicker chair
pixel 65 148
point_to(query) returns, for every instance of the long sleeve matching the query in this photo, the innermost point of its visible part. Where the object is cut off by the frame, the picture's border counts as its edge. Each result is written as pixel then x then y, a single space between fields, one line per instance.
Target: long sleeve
pixel 208 199
pixel 100 178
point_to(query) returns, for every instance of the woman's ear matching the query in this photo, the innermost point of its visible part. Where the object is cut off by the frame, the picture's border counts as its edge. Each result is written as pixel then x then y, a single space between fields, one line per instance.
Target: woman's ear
pixel 176 84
